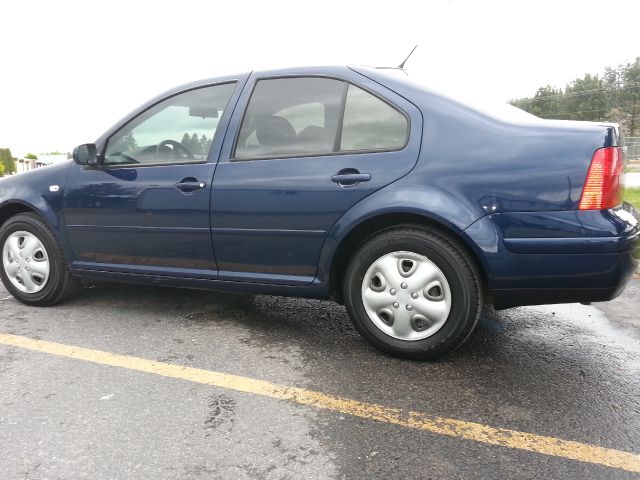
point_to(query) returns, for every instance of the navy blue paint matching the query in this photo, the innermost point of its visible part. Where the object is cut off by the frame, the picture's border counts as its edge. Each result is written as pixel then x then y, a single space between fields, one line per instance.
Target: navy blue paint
pixel 533 278
pixel 507 190
pixel 286 198
pixel 31 190
pixel 105 209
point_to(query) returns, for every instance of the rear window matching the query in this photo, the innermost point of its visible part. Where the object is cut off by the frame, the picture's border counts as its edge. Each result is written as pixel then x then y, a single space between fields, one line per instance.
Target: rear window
pixel 371 124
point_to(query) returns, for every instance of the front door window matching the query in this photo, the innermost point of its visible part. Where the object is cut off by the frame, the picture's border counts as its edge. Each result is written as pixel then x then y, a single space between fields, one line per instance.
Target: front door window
pixel 179 129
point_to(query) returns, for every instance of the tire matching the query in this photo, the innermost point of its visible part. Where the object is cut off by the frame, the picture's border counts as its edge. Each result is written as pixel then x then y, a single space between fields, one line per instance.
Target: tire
pixel 413 293
pixel 33 268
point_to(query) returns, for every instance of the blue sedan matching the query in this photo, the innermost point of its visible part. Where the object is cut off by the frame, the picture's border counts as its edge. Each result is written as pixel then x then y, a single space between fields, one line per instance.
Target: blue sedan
pixel 412 209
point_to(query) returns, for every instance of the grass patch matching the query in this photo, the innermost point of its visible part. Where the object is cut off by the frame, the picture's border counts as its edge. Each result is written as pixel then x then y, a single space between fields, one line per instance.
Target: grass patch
pixel 632 195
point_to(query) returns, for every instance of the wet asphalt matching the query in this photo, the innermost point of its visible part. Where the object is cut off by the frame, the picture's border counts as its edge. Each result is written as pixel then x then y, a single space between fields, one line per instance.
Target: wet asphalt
pixel 570 371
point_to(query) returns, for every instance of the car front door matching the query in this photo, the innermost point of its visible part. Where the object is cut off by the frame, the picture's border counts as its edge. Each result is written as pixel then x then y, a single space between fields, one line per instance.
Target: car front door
pixel 303 151
pixel 145 208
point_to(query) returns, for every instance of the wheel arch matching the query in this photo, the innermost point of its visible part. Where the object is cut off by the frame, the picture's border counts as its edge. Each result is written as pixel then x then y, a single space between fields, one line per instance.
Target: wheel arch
pixel 12 208
pixel 373 225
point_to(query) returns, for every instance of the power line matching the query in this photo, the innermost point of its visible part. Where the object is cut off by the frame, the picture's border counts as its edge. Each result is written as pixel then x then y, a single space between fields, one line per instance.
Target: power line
pixel 620 69
pixel 585 111
pixel 576 94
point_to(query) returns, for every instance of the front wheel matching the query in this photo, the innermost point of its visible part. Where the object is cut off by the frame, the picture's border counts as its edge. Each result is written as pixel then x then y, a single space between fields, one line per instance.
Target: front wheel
pixel 413 293
pixel 33 268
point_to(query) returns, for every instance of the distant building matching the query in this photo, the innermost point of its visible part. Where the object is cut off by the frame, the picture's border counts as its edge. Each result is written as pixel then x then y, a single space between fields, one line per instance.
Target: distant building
pixel 24 164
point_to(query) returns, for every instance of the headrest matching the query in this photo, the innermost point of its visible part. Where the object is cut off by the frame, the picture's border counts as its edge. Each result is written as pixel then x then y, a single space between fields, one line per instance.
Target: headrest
pixel 275 131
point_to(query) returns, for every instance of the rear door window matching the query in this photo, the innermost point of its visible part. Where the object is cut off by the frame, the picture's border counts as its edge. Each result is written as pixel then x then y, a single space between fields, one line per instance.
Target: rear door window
pixel 291 117
pixel 305 116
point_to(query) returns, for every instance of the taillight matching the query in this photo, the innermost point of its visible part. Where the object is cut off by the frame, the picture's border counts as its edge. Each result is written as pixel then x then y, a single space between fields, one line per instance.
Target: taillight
pixel 603 187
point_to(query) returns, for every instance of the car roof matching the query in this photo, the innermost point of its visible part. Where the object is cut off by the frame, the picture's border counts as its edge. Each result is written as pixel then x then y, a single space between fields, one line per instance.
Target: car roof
pixel 329 70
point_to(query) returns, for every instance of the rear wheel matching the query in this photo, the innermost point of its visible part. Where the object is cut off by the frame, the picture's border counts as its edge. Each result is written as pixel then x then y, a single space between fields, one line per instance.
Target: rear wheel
pixel 33 267
pixel 413 293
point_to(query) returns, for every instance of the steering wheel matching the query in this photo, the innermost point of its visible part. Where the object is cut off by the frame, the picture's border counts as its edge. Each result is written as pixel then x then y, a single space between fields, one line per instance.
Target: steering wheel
pixel 176 147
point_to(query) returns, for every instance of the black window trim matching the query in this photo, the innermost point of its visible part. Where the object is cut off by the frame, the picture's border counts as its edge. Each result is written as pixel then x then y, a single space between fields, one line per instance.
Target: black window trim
pixel 232 156
pixel 109 166
pixel 343 104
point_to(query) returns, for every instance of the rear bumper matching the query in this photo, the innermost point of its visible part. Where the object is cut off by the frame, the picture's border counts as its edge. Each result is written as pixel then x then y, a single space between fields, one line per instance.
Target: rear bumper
pixel 562 266
pixel 587 245
pixel 519 297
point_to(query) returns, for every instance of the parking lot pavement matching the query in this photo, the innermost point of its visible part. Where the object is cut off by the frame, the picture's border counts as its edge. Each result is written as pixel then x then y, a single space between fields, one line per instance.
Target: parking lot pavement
pixel 567 372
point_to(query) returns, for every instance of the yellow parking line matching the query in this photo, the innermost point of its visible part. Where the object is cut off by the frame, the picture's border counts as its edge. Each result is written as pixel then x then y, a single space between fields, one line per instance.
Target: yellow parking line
pixel 421 421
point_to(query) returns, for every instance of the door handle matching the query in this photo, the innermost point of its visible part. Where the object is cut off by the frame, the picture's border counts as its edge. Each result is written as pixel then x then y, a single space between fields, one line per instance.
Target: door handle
pixel 189 185
pixel 350 179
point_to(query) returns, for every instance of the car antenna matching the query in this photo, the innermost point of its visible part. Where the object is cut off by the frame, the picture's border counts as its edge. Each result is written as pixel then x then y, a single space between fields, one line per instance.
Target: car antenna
pixel 401 66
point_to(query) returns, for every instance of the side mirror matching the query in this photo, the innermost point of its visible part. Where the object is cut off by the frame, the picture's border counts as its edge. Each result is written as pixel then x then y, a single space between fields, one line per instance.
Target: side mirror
pixel 85 154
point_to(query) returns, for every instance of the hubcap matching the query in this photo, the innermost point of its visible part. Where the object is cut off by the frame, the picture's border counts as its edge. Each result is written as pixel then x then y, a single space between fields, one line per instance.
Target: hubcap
pixel 406 295
pixel 25 262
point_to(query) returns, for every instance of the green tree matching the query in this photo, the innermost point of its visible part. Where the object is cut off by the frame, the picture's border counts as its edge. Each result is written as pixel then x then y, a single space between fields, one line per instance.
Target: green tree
pixel 126 143
pixel 192 143
pixel 548 102
pixel 1 170
pixel 7 161
pixel 31 156
pixel 586 98
pixel 205 144
pixel 196 149
pixel 612 82
pixel 630 97
pixel 613 97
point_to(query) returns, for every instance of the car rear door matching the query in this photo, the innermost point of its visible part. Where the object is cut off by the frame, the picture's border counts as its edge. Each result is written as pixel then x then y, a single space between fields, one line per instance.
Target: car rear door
pixel 301 150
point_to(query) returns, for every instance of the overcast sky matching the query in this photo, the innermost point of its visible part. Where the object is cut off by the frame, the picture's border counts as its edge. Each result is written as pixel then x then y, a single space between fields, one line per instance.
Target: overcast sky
pixel 71 69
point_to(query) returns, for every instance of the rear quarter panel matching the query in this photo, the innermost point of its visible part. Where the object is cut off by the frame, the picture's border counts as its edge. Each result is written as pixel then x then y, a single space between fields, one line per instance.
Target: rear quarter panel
pixel 495 164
